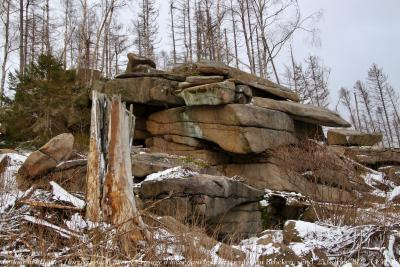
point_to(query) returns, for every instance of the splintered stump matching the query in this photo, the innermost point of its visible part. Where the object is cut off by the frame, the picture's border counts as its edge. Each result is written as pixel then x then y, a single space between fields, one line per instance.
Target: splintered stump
pixel 109 193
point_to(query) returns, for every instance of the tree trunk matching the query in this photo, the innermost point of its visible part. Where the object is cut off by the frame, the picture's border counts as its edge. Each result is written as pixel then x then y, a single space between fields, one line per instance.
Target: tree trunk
pixel 189 32
pixel 47 36
pixel 234 36
pixel 357 112
pixel 109 191
pixel 253 63
pixel 173 31
pixel 6 49
pixel 21 37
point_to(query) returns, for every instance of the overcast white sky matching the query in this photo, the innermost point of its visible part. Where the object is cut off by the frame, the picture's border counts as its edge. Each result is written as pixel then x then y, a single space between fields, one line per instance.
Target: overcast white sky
pixel 354 34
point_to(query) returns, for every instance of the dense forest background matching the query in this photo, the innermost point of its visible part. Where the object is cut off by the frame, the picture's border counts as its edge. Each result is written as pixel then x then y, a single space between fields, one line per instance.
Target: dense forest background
pixel 46 40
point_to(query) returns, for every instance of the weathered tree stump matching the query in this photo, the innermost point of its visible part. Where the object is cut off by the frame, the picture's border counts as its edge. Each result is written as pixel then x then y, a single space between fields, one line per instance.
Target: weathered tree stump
pixel 109 193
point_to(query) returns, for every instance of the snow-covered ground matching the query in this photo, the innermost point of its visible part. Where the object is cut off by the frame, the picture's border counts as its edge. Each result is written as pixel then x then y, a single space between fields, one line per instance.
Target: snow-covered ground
pixel 341 244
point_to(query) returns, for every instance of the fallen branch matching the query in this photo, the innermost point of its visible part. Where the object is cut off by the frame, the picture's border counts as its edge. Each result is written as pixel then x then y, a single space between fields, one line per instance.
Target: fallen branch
pixel 42 204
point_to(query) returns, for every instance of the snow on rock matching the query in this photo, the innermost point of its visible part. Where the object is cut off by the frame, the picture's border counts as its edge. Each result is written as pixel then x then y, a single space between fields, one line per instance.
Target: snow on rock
pixel 374 179
pixel 172 173
pixel 61 194
pixel 254 247
pixel 332 239
pixel 394 195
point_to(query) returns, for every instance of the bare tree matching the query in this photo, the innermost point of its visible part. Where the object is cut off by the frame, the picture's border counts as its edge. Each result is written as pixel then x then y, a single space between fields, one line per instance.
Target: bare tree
pixel 21 37
pixel 5 19
pixel 171 12
pixel 360 89
pixel 147 28
pixel 378 86
pixel 345 100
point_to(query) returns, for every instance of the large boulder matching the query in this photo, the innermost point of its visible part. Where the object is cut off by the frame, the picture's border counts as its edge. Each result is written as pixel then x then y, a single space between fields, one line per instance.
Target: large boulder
pixel 216 200
pixel 235 128
pixel 302 112
pixel 235 139
pixel 204 195
pixel 48 156
pixel 352 138
pixel 232 115
pixel 144 90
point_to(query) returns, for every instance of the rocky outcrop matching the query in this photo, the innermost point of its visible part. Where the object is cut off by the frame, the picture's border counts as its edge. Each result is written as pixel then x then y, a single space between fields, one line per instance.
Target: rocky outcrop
pixel 144 90
pixel 48 156
pixel 347 137
pixel 302 112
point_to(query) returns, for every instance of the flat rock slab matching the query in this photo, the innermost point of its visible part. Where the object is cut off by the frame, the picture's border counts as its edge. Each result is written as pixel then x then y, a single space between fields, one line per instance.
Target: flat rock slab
pixel 212 195
pixel 374 156
pixel 165 145
pixel 302 112
pixel 144 90
pixel 235 139
pixel 240 77
pixel 199 80
pixel 230 115
pixel 352 138
pixel 144 164
pixel 266 89
pixel 209 94
pixel 209 157
pixel 160 74
pixel 235 128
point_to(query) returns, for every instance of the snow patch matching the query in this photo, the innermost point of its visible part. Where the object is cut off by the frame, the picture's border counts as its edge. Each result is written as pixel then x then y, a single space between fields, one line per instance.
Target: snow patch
pixel 172 173
pixel 394 194
pixel 61 194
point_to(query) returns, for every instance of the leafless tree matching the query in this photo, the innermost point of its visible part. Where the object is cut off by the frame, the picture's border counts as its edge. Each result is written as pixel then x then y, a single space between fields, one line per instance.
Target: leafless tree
pixel 345 100
pixel 5 19
pixel 378 86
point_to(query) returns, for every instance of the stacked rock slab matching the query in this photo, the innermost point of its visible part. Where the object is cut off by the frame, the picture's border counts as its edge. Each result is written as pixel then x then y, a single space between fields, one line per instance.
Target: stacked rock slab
pixel 224 121
pixel 218 114
pixel 347 137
